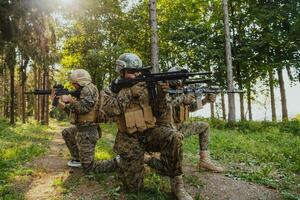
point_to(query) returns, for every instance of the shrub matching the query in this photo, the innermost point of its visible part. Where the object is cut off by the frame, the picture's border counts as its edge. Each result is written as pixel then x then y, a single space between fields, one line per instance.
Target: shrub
pixel 292 126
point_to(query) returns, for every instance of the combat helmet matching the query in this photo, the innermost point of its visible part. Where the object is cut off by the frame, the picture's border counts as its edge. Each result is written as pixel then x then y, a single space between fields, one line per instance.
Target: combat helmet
pixel 175 83
pixel 128 61
pixel 81 76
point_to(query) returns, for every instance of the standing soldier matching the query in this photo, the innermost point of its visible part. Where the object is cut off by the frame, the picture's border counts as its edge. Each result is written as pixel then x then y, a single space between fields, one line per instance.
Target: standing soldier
pixel 81 138
pixel 183 104
pixel 138 133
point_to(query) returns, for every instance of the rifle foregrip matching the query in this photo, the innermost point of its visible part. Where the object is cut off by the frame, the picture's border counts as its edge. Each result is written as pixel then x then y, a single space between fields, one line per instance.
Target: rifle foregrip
pixel 55 102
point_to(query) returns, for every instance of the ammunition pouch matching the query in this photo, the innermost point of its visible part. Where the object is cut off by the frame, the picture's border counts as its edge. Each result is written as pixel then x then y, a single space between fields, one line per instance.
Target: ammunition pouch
pixel 136 119
pixel 183 113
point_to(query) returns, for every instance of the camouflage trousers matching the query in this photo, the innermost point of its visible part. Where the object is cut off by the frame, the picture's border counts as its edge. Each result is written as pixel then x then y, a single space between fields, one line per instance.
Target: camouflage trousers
pixel 196 128
pixel 81 142
pixel 131 148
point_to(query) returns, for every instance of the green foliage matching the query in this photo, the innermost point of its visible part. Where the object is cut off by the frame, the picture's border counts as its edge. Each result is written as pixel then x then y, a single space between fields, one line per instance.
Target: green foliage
pixel 292 126
pixel 17 146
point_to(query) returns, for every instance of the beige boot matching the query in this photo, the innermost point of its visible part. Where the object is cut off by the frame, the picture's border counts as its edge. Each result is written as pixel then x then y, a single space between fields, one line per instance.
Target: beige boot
pixel 177 188
pixel 207 164
pixel 148 156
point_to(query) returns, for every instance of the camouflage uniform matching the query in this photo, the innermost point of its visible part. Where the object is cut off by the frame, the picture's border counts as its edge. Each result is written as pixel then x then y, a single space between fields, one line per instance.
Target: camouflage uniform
pixel 81 139
pixel 185 104
pixel 132 146
pixel 190 128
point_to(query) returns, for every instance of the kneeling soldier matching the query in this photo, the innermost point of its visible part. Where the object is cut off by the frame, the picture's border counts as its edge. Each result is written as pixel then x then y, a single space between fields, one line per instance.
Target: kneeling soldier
pixel 138 133
pixel 81 138
pixel 182 105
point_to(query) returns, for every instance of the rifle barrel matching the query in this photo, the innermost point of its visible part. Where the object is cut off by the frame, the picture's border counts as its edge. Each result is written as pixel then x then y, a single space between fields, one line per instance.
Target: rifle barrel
pixel 200 73
pixel 187 82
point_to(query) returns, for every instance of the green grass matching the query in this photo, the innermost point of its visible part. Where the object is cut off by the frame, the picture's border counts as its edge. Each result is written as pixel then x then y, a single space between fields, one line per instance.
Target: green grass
pixel 18 145
pixel 268 157
pixel 258 152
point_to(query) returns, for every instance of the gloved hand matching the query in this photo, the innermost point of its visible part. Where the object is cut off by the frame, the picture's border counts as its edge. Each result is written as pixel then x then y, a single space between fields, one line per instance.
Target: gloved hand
pixel 61 105
pixel 163 86
pixel 188 98
pixel 210 98
pixel 138 89
pixel 67 99
pixel 53 95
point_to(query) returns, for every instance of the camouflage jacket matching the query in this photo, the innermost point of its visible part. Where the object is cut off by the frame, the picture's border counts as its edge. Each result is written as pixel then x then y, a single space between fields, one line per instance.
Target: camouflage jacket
pixel 180 103
pixel 85 103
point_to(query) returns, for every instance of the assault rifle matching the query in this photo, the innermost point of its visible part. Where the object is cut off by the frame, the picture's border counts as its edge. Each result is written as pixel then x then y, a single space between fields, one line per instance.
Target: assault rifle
pixel 59 91
pixel 202 90
pixel 199 91
pixel 151 79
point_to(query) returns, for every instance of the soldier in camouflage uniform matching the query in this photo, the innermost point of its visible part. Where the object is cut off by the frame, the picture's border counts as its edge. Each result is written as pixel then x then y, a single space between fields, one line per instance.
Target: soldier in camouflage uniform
pixel 82 137
pixel 183 104
pixel 138 133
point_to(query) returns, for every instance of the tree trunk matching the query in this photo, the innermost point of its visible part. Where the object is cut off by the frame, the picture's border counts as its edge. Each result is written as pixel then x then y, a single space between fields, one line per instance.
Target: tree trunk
pixel 271 85
pixel 235 51
pixel 249 102
pixel 231 104
pixel 47 97
pixel 12 95
pixel 11 61
pixel 5 92
pixel 35 98
pixel 43 100
pixel 223 106
pixel 154 36
pixel 39 96
pixel 2 97
pixel 212 110
pixel 23 88
pixel 2 86
pixel 283 96
pixel 18 106
pixel 241 95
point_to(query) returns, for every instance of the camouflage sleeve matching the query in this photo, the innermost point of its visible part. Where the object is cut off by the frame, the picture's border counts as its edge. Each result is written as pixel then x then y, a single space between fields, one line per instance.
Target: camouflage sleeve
pixel 87 100
pixel 193 106
pixel 183 99
pixel 177 100
pixel 116 104
pixel 163 104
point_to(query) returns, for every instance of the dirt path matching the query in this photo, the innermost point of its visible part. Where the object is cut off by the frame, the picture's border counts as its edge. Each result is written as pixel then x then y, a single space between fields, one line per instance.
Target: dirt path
pixel 219 187
pixel 52 179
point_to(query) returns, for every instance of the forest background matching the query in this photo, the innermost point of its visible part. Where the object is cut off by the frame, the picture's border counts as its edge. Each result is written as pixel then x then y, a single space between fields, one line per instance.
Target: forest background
pixel 41 41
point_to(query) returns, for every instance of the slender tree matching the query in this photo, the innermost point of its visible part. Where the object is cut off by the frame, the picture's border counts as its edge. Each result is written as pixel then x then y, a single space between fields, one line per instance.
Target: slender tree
pixel 154 36
pixel 231 104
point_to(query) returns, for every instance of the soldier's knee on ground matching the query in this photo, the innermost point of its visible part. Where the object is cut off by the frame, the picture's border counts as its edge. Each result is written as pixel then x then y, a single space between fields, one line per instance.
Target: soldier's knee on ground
pixel 131 172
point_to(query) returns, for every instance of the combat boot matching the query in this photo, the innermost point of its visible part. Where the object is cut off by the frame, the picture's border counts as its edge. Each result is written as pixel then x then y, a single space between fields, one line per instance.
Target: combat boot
pixel 207 164
pixel 148 156
pixel 177 188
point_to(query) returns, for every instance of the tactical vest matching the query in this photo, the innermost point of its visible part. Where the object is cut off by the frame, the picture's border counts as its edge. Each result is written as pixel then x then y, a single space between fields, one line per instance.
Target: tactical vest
pixel 180 114
pixel 138 116
pixel 90 117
